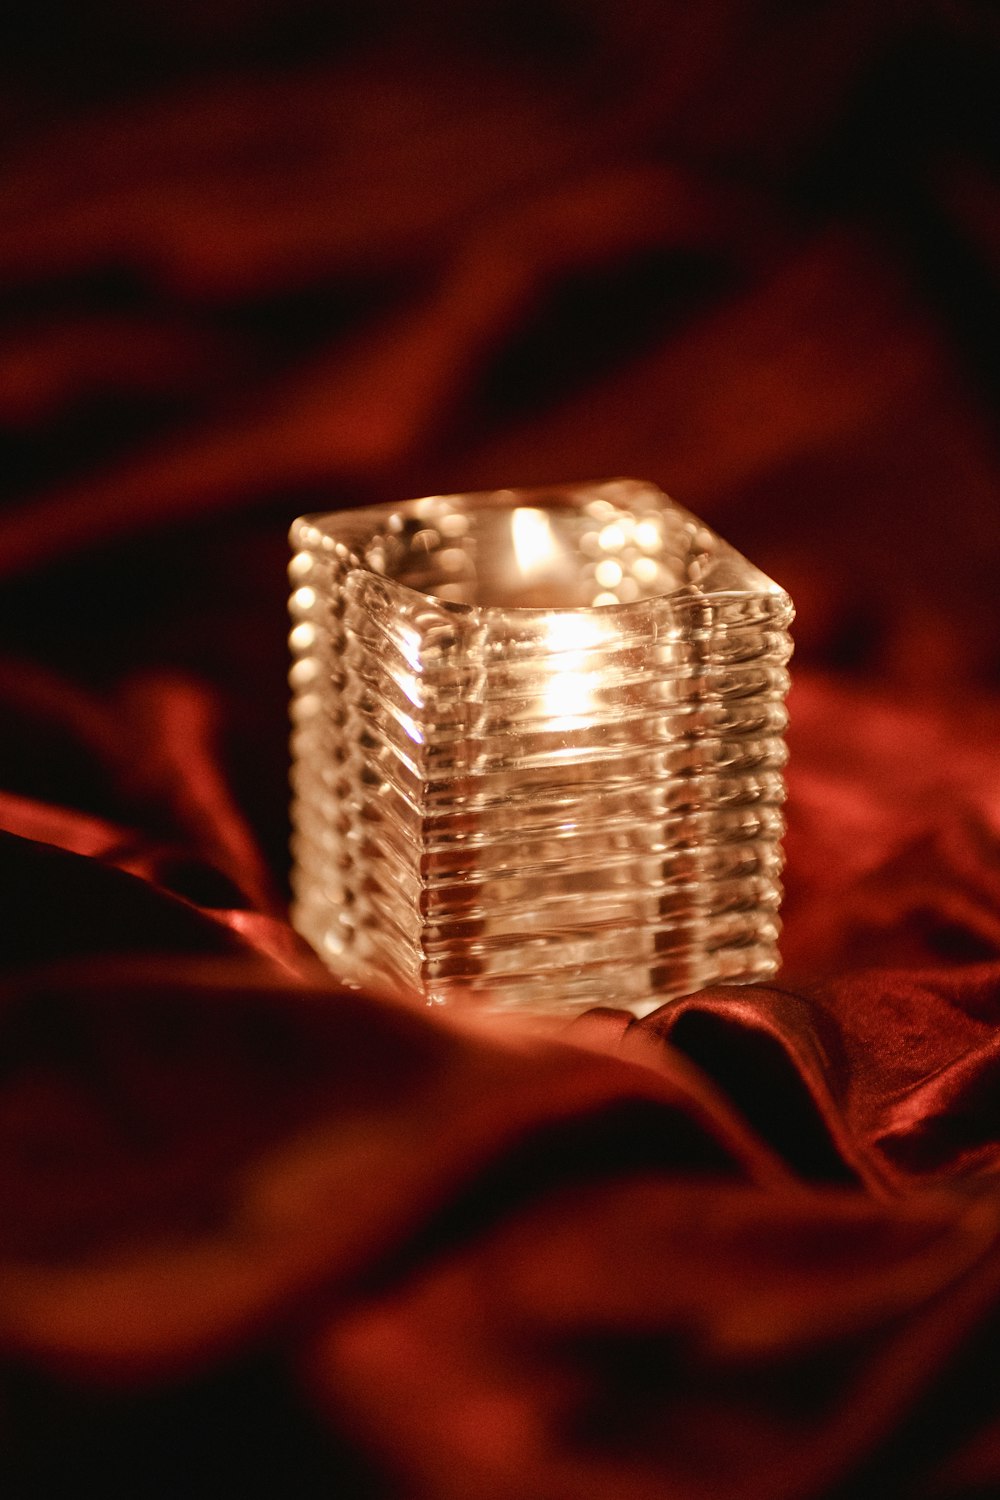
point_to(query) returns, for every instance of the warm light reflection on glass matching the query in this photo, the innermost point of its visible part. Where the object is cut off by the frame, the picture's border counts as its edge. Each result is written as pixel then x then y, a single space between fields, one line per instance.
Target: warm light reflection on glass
pixel 574 674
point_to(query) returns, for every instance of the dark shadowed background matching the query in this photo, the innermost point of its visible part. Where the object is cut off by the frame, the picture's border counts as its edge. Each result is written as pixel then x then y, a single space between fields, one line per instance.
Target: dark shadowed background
pixel 257 258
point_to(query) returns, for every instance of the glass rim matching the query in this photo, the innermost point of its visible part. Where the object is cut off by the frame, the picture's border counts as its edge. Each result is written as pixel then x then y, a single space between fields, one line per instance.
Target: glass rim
pixel 511 498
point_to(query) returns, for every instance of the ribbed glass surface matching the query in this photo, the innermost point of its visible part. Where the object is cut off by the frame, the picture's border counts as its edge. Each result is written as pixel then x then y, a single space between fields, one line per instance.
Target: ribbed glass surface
pixel 538 748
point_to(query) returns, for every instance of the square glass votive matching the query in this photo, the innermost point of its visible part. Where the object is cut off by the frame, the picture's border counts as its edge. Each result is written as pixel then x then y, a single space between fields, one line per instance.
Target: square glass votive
pixel 538 749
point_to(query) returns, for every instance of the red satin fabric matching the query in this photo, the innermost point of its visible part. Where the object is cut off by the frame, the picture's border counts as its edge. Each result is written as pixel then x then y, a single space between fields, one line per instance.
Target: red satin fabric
pixel 264 1237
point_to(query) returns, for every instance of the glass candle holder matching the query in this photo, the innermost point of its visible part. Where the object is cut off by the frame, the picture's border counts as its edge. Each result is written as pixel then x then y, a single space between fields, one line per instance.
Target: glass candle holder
pixel 538 749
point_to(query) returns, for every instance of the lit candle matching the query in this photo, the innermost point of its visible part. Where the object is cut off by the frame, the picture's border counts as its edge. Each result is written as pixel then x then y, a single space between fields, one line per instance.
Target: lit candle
pixel 538 748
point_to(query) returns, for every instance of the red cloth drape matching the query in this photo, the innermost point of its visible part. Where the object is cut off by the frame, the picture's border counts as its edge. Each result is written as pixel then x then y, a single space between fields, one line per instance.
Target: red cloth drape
pixel 260 1236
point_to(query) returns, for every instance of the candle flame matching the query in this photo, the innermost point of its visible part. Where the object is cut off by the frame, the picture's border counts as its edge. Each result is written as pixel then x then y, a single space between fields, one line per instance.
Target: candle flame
pixel 534 545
